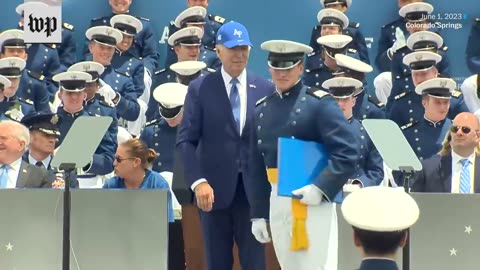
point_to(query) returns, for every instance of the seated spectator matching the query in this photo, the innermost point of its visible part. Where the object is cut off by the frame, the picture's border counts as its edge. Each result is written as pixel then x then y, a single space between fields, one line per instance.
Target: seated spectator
pixel 14 172
pixel 131 162
pixel 456 168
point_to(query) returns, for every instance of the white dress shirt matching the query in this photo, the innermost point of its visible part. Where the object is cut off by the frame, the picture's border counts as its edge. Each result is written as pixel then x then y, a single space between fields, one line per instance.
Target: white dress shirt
pixel 45 162
pixel 457 170
pixel 242 93
pixel 13 172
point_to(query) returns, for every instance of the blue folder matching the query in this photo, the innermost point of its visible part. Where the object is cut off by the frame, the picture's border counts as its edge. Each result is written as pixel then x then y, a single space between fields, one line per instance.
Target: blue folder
pixel 299 163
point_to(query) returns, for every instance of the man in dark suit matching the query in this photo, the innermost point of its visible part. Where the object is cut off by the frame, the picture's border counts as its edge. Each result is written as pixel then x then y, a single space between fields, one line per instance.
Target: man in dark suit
pixel 14 172
pixel 213 141
pixel 44 133
pixel 380 217
pixel 456 168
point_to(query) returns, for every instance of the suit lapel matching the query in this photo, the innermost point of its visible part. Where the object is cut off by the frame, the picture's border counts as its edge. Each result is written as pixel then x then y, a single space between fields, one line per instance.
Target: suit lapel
pixel 476 185
pixel 446 172
pixel 23 175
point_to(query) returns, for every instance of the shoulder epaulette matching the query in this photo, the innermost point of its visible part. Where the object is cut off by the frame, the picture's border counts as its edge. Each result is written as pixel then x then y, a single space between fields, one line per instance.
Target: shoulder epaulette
pixel 37 76
pixel 172 23
pixel 28 101
pixel 456 93
pixel 376 101
pixel 311 54
pixel 160 71
pixel 217 19
pixel 260 101
pixel 211 70
pixel 352 50
pixel 354 25
pixel 151 123
pixel 68 26
pixel 444 48
pixel 409 125
pixel 142 18
pixel 126 74
pixel 317 93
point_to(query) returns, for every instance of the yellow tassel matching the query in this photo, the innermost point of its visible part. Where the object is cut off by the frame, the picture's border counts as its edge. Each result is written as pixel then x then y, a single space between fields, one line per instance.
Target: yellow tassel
pixel 299 211
pixel 299 229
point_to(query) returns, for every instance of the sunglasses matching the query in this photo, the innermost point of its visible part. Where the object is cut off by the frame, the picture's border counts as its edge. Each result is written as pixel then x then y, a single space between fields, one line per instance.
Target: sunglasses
pixel 465 130
pixel 119 159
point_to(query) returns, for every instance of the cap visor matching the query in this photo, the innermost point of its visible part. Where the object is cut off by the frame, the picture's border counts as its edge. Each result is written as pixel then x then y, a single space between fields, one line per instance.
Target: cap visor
pixel 235 43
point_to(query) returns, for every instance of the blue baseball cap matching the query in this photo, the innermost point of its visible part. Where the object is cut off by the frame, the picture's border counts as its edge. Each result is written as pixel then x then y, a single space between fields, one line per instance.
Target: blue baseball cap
pixel 233 34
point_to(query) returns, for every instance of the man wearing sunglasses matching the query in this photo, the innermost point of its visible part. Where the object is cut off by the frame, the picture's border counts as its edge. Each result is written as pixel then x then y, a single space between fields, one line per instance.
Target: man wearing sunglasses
pixel 456 168
pixel 426 135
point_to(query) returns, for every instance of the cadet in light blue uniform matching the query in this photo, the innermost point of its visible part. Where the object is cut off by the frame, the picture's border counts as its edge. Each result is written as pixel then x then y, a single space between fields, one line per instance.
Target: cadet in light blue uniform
pixel 366 106
pixel 393 35
pixel 406 106
pixel 473 50
pixel 197 16
pixel 115 86
pixel 380 217
pixel 319 65
pixel 369 169
pixel 294 111
pixel 44 133
pixel 427 135
pixel 185 42
pixel 145 46
pixel 353 30
pixel 72 94
pixel 32 85
pixel 123 61
pixel 94 102
pixel 321 68
pixel 10 104
pixel 419 41
pixel 161 133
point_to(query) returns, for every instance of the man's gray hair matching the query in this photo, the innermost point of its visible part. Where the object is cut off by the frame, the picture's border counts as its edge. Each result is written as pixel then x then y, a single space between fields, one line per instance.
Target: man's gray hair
pixel 20 132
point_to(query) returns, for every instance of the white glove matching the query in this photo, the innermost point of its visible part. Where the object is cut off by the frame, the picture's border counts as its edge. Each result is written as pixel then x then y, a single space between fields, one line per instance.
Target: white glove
pixel 309 194
pixel 259 230
pixel 106 91
pixel 400 41
pixel 147 80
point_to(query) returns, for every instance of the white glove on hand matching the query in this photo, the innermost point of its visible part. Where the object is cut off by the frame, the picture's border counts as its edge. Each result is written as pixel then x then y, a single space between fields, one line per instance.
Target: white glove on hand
pixel 259 230
pixel 106 91
pixel 400 41
pixel 310 195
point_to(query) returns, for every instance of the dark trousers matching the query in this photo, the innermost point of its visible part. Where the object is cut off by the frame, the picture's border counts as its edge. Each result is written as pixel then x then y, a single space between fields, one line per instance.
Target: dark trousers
pixel 220 228
pixel 176 254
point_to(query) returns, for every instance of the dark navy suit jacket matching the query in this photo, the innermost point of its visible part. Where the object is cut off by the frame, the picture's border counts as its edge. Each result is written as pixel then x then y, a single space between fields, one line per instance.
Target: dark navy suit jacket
pixel 208 142
pixel 436 175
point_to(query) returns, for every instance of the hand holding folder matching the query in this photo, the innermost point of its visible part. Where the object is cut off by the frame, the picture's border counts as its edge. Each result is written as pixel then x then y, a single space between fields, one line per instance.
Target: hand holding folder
pixel 299 164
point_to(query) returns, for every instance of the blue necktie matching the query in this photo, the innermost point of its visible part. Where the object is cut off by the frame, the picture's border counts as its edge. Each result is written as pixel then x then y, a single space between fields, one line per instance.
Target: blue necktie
pixel 4 176
pixel 465 176
pixel 235 103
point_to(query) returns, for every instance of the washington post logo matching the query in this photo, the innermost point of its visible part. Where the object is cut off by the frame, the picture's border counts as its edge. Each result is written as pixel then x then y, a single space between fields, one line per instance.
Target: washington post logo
pixel 42 21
